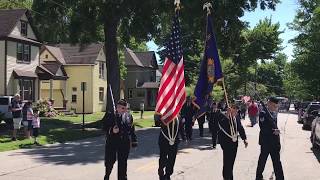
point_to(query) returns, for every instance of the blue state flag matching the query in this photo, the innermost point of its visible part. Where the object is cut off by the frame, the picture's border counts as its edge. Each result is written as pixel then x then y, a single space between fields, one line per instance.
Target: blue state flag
pixel 210 70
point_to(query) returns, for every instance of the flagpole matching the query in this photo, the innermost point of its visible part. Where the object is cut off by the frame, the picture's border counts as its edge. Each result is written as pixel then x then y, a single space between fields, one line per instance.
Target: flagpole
pixel 207 6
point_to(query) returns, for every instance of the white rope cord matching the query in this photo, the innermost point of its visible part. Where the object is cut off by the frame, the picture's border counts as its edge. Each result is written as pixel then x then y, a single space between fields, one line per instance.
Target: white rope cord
pixel 172 135
pixel 232 134
pixel 232 130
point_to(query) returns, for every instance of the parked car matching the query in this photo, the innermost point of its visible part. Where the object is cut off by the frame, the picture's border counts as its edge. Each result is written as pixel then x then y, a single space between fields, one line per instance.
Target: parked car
pixel 301 109
pixel 5 103
pixel 284 104
pixel 308 116
pixel 315 130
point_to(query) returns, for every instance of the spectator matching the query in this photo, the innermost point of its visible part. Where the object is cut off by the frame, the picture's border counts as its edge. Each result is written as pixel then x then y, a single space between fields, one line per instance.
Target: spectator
pixel 141 109
pixel 16 109
pixel 243 109
pixel 36 126
pixel 253 113
pixel 27 117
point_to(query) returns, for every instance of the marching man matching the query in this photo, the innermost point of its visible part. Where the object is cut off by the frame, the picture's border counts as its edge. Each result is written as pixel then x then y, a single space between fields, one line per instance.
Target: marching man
pixel 227 127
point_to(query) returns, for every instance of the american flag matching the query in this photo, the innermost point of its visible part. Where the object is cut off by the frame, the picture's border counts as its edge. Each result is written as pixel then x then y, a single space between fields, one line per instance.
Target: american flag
pixel 172 94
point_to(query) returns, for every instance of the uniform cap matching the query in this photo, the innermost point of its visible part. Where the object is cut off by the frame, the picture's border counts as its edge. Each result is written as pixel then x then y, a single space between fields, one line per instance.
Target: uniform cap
pixel 122 102
pixel 274 99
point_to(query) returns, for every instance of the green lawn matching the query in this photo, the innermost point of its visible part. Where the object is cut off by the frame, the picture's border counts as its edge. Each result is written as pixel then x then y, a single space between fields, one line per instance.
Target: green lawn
pixel 66 128
pixel 147 120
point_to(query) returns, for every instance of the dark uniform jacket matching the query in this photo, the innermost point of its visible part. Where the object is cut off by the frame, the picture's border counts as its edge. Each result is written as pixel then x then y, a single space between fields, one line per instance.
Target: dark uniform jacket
pixel 223 139
pixel 125 124
pixel 211 117
pixel 164 130
pixel 268 122
pixel 187 112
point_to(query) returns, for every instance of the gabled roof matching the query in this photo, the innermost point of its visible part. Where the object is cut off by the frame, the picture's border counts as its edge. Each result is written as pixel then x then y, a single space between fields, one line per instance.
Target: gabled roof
pixel 9 19
pixel 69 54
pixel 56 52
pixel 19 73
pixel 141 59
pixel 52 70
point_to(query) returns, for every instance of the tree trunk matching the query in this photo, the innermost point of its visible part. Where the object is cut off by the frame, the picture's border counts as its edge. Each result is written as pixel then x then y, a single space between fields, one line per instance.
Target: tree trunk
pixel 113 68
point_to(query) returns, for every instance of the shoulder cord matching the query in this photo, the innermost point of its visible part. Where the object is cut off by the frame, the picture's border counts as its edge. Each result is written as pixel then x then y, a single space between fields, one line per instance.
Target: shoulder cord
pixel 232 131
pixel 171 134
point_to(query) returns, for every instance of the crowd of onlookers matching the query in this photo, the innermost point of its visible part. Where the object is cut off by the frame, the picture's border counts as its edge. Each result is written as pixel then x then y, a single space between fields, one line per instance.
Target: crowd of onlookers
pixel 23 114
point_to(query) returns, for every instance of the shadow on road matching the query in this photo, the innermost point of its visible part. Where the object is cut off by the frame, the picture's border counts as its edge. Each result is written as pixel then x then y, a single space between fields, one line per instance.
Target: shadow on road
pixel 92 150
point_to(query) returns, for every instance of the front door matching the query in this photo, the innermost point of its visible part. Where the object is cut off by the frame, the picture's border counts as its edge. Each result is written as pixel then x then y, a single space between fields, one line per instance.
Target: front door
pixel 26 87
pixel 151 97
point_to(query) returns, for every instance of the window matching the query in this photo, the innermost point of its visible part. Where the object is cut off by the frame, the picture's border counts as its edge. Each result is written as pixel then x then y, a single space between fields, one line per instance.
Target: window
pixel 46 56
pixel 101 70
pixel 140 93
pixel 23 53
pixel 26 53
pixel 4 101
pixel 26 89
pixel 24 28
pixel 101 94
pixel 74 89
pixel 130 93
pixel 19 51
pixel 74 98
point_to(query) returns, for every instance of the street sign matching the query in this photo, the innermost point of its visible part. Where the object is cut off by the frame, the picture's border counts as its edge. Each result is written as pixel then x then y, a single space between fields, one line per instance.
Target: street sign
pixel 83 89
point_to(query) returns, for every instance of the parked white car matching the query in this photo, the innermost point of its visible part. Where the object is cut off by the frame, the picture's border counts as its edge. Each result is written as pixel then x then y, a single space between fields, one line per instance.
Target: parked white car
pixel 5 103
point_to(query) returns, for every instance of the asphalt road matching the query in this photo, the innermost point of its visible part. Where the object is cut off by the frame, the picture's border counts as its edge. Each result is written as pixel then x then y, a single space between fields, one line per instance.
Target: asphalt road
pixel 83 160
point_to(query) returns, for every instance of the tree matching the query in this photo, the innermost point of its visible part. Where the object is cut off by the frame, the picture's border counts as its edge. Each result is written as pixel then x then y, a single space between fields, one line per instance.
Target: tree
pixel 307 44
pixel 260 43
pixel 107 20
pixel 294 86
pixel 11 4
pixel 52 20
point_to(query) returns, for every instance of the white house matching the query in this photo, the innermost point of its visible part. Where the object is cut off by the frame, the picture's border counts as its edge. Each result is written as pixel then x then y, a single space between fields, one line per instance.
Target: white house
pixel 19 55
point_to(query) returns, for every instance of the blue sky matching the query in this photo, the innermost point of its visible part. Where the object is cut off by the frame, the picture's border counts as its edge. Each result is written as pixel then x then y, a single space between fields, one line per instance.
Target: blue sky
pixel 284 14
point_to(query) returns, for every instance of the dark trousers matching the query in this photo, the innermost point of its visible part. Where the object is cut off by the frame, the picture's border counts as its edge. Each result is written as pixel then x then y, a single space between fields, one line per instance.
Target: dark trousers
pixel 182 131
pixel 188 129
pixel 210 126
pixel 167 158
pixel 275 157
pixel 229 156
pixel 201 121
pixel 117 149
pixel 214 139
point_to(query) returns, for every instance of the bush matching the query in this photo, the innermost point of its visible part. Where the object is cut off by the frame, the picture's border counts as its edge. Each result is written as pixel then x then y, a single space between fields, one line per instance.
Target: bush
pixel 45 109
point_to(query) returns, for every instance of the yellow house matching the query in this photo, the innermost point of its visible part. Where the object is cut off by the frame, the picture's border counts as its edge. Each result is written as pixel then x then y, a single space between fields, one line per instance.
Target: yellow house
pixel 19 55
pixel 65 67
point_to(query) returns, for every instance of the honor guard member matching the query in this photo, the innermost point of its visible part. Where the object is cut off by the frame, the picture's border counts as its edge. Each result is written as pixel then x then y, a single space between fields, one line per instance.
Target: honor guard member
pixel 227 127
pixel 188 112
pixel 120 136
pixel 212 116
pixel 168 148
pixel 201 121
pixel 269 139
